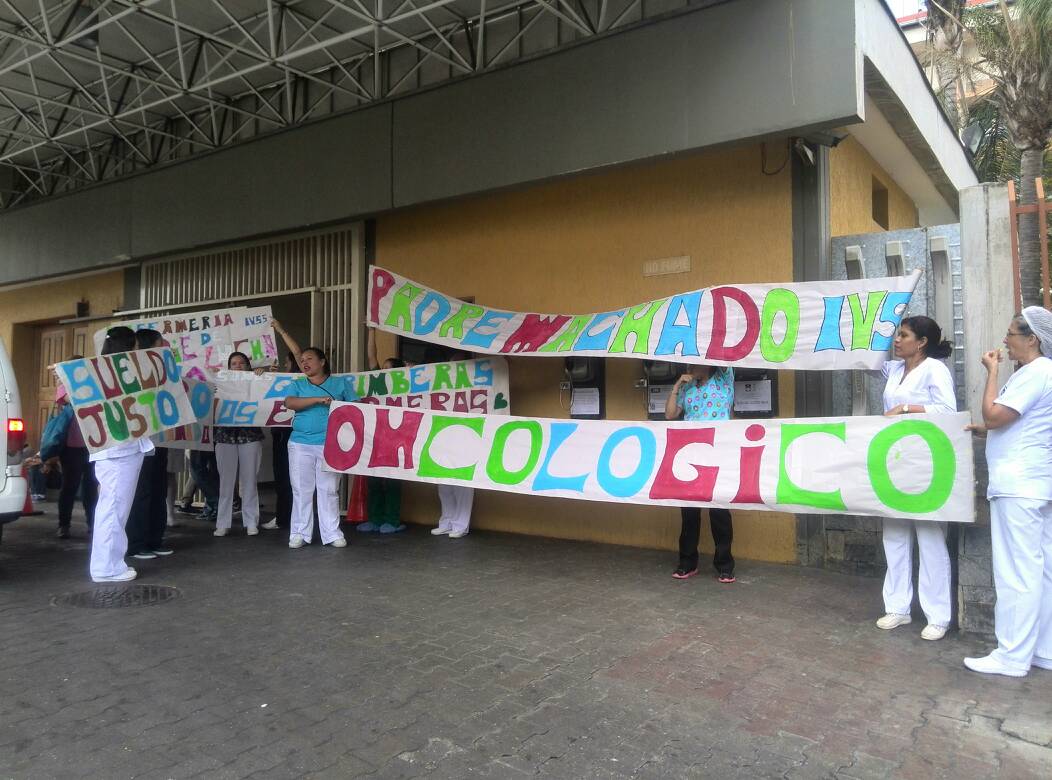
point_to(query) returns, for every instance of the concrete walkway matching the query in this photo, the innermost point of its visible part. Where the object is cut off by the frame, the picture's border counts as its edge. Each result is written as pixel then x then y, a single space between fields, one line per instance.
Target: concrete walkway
pixel 493 656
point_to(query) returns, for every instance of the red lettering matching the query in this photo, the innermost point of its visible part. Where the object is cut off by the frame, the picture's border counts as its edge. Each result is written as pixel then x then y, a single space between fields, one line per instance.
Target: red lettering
pixel 749 468
pixel 439 401
pixel 460 401
pixel 388 440
pixel 479 401
pixel 128 404
pixel 104 369
pixel 667 485
pixel 383 283
pixel 335 455
pixel 718 349
pixel 279 415
pixel 95 413
pixel 534 332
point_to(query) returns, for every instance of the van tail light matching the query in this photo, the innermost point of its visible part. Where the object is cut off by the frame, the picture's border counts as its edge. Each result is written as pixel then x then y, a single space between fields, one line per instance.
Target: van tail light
pixel 16 435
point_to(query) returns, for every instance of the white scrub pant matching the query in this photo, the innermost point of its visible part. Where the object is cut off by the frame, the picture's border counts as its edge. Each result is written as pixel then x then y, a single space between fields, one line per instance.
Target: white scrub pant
pixel 456 503
pixel 109 542
pixel 238 463
pixel 307 475
pixel 933 582
pixel 1021 532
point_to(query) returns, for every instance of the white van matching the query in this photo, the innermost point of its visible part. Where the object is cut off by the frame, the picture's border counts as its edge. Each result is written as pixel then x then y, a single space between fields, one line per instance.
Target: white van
pixel 12 437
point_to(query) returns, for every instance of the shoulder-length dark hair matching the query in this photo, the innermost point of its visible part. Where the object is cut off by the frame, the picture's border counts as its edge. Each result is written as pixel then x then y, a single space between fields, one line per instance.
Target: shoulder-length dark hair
pixel 233 355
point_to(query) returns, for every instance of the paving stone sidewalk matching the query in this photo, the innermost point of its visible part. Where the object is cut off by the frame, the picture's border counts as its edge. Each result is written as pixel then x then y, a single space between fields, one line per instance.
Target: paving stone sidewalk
pixel 493 656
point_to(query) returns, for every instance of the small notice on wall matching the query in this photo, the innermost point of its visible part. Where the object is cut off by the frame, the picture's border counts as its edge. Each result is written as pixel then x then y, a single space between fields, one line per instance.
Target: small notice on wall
pixel 657 395
pixel 752 396
pixel 584 401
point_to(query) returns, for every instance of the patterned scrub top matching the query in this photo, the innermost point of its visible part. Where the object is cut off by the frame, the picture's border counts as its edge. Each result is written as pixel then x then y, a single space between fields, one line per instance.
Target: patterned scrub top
pixel 713 400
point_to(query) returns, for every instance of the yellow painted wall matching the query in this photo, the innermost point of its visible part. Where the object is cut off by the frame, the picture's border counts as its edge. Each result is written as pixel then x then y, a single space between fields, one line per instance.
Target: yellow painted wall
pixel 23 309
pixel 578 245
pixel 851 173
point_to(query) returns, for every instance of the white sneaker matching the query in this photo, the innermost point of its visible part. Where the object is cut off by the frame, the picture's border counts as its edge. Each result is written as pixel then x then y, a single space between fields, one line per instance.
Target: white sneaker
pixel 296 541
pixel 127 574
pixel 1041 663
pixel 253 531
pixel 219 532
pixel 439 531
pixel 341 542
pixel 990 665
pixel 933 632
pixel 271 526
pixel 457 534
pixel 891 620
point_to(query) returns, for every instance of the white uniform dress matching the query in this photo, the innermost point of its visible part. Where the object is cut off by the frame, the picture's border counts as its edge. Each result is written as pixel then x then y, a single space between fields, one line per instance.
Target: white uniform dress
pixel 117 472
pixel 456 503
pixel 929 385
pixel 1019 457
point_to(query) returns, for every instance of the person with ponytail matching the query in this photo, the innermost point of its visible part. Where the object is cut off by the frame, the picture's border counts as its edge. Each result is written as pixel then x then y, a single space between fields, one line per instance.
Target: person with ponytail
pixel 917 382
pixel 309 397
pixel 117 471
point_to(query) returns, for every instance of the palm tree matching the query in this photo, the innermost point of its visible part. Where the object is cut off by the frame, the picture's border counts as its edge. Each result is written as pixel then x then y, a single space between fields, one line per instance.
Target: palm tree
pixel 1016 51
pixel 946 33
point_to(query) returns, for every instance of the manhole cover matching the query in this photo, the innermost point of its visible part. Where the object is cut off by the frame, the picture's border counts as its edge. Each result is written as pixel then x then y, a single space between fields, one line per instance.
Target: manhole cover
pixel 107 596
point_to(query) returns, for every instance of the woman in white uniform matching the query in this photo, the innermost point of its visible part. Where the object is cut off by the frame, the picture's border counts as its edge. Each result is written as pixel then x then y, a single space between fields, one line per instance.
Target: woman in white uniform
pixel 117 472
pixel 1018 420
pixel 239 451
pixel 917 382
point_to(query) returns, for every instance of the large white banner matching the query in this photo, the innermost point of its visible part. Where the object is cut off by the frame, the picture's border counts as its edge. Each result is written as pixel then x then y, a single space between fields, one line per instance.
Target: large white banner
pixel 913 466
pixel 203 341
pixel 809 325
pixel 243 398
pixel 125 396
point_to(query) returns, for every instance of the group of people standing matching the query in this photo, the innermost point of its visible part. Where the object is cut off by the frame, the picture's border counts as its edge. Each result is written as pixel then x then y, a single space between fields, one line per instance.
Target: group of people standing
pixel 128 512
pixel 128 494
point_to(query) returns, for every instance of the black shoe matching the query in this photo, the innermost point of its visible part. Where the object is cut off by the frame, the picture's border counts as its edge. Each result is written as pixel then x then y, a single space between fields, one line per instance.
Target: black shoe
pixel 63 532
pixel 184 508
pixel 163 551
pixel 683 573
pixel 145 555
pixel 726 577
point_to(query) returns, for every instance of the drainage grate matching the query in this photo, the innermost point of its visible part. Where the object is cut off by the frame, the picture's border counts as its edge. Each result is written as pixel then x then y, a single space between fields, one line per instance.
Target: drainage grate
pixel 108 596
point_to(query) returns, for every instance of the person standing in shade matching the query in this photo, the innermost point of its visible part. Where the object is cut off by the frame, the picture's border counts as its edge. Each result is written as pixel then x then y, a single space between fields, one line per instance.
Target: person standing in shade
pixel 149 511
pixel 309 397
pixel 383 494
pixel 1018 424
pixel 917 382
pixel 238 454
pixel 279 437
pixel 704 394
pixel 117 470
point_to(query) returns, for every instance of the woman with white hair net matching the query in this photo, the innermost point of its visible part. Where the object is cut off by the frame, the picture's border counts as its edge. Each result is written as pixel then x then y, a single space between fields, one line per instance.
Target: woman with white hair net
pixel 1019 457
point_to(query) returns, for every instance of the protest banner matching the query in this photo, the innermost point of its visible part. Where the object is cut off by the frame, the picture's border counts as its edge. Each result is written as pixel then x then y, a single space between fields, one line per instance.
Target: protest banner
pixel 203 341
pixel 125 396
pixel 243 398
pixel 809 325
pixel 196 435
pixel 916 466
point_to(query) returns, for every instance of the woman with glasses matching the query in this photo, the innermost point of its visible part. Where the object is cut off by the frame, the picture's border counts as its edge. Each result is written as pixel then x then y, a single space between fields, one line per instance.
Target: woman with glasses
pixel 1018 423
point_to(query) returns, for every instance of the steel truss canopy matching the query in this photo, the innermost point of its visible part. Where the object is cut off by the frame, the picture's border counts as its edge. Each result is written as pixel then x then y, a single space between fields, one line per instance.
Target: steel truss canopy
pixel 92 90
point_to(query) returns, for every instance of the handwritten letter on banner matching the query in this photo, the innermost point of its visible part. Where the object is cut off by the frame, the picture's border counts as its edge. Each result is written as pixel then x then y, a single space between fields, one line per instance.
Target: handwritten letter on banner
pixel 242 398
pixel 810 325
pixel 203 341
pixel 126 396
pixel 917 466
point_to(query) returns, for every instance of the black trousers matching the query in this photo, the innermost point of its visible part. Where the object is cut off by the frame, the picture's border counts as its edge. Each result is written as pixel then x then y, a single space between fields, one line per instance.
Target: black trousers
pixel 149 510
pixel 722 535
pixel 282 483
pixel 78 478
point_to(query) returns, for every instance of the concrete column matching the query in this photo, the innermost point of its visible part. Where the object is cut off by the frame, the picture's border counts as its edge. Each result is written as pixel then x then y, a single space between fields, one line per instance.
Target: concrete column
pixel 988 306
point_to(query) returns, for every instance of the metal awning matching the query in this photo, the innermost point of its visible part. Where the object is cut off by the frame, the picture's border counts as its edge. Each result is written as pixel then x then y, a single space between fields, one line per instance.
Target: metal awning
pixel 96 89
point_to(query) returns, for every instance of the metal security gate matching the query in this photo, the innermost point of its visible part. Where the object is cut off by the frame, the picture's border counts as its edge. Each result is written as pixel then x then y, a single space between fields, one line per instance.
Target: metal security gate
pixel 329 265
